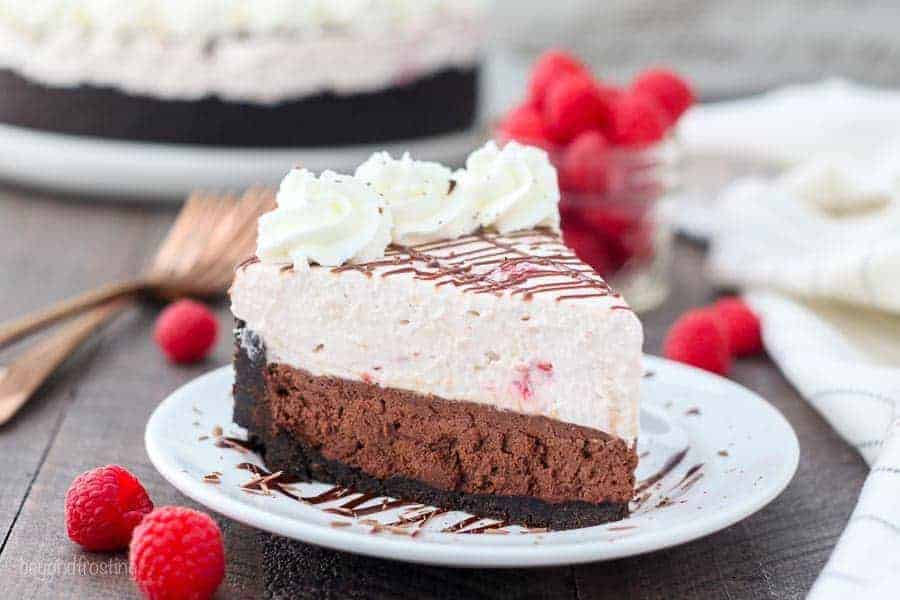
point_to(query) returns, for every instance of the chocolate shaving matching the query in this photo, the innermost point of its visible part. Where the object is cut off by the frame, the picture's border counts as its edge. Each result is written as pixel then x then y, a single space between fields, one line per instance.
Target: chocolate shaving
pixel 242 446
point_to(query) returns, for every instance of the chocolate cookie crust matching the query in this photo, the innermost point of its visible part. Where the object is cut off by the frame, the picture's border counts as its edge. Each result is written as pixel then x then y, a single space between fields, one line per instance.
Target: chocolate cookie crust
pixel 524 469
pixel 445 102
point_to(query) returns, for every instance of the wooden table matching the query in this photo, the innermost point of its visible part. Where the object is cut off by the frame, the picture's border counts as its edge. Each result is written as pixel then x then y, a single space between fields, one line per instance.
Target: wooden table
pixel 93 413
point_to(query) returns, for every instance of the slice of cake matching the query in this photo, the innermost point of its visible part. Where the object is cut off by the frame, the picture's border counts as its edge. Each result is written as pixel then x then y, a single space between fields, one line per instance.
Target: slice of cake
pixel 474 363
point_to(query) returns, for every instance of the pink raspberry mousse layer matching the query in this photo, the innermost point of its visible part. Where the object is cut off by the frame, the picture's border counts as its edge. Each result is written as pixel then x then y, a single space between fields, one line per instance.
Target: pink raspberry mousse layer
pixel 515 322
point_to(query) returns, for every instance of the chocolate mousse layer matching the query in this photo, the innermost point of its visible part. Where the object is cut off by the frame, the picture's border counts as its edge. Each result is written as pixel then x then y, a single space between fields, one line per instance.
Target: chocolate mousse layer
pixel 524 469
pixel 444 102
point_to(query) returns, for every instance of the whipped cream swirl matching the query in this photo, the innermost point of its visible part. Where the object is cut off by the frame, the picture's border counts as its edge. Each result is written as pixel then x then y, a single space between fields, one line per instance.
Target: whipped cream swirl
pixel 334 219
pixel 513 188
pixel 328 220
pixel 425 201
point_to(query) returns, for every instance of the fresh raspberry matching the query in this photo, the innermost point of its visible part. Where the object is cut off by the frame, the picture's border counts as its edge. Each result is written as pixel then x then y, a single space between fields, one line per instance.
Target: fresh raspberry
pixel 103 506
pixel 672 92
pixel 177 554
pixel 741 324
pixel 574 104
pixel 615 219
pixel 589 247
pixel 699 338
pixel 525 124
pixel 549 67
pixel 585 164
pixel 186 331
pixel 636 246
pixel 610 95
pixel 637 120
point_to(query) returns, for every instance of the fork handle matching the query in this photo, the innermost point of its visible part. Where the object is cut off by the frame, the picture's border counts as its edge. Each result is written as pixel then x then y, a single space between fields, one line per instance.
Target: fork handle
pixel 22 326
pixel 25 374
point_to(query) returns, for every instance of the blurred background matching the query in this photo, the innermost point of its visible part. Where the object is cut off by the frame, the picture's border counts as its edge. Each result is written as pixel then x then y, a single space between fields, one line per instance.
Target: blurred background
pixel 727 47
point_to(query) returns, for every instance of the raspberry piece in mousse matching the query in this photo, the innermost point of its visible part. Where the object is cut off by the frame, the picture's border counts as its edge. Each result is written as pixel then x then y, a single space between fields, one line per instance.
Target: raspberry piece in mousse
pixel 103 506
pixel 177 553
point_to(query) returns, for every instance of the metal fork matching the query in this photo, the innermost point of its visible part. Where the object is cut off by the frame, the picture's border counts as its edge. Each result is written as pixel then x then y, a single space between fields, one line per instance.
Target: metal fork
pixel 210 236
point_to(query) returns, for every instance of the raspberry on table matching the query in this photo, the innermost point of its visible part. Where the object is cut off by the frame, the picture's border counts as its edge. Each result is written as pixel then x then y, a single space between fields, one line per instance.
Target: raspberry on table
pixel 672 92
pixel 549 67
pixel 103 506
pixel 637 120
pixel 185 331
pixel 575 104
pixel 177 554
pixel 741 324
pixel 699 338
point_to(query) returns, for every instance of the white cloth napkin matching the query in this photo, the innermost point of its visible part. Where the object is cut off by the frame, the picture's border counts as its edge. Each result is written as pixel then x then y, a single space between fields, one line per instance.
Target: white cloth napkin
pixel 817 253
pixel 790 124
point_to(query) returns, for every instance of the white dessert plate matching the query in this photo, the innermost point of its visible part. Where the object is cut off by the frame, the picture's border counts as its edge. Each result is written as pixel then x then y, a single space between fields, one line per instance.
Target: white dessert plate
pixel 719 452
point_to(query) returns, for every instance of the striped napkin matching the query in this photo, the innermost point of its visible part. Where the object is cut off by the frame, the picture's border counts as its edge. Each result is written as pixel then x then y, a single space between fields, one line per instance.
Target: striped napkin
pixel 817 253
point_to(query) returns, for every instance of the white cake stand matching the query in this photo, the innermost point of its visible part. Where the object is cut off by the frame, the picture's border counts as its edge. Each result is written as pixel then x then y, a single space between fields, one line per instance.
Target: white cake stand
pixel 145 172
pixel 138 171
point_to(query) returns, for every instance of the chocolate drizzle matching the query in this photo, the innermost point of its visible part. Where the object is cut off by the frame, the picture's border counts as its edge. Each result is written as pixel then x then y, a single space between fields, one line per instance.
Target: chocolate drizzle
pixel 669 466
pixel 251 260
pixel 263 481
pixel 643 493
pixel 418 516
pixel 489 263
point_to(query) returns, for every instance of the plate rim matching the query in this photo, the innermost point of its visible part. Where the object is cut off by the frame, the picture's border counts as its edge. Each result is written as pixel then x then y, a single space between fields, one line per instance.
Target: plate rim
pixel 465 555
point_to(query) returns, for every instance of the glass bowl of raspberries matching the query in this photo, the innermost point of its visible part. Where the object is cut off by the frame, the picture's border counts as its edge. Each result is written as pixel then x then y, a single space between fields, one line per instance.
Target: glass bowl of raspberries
pixel 615 152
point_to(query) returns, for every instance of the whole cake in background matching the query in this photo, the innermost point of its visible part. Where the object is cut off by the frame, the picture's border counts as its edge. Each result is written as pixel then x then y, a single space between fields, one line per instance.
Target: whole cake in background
pixel 420 333
pixel 241 72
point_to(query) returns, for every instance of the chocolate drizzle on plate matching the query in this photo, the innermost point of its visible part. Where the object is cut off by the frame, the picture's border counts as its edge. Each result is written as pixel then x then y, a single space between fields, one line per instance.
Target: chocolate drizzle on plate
pixel 264 482
pixel 417 516
pixel 643 491
pixel 669 466
pixel 489 263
